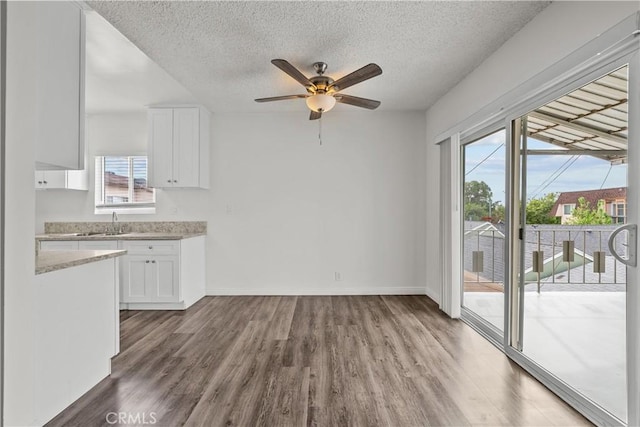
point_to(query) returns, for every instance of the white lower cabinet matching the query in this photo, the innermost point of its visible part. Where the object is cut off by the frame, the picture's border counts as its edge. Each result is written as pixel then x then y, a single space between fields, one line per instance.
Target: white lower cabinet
pixel 148 279
pixel 162 274
pixel 154 274
pixel 76 333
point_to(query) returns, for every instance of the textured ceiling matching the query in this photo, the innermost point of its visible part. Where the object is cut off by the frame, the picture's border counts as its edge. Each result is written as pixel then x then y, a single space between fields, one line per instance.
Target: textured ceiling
pixel 221 51
pixel 120 78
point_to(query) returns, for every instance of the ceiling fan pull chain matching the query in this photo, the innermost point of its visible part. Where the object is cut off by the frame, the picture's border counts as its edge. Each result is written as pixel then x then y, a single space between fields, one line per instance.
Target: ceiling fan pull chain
pixel 320 130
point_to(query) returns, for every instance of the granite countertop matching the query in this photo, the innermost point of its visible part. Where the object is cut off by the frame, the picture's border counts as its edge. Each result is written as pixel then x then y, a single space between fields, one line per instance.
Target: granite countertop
pixel 124 236
pixel 47 261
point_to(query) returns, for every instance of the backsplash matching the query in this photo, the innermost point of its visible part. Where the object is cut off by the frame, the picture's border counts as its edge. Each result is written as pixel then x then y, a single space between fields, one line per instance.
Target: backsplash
pixel 187 227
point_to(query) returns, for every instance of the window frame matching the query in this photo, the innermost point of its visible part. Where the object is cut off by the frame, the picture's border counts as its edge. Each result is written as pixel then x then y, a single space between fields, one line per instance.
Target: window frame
pixel 100 205
pixel 571 207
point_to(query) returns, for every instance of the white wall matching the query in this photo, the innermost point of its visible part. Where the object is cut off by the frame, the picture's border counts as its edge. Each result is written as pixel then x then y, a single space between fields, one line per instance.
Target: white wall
pixel 19 261
pixel 556 32
pixel 284 213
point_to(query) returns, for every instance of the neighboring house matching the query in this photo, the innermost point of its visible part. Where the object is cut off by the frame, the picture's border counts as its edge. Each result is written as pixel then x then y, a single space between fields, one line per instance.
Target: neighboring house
pixel 615 200
pixel 117 189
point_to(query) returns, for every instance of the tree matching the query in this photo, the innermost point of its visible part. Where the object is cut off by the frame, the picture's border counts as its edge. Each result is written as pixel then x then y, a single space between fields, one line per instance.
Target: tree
pixel 477 192
pixel 498 212
pixel 477 200
pixel 475 212
pixel 539 210
pixel 583 214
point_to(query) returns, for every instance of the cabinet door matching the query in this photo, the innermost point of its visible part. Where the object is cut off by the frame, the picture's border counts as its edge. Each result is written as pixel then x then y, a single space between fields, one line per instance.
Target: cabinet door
pixel 55 179
pixel 160 147
pixel 39 181
pixel 59 56
pixel 164 281
pixel 135 274
pixel 50 180
pixel 98 245
pixel 186 147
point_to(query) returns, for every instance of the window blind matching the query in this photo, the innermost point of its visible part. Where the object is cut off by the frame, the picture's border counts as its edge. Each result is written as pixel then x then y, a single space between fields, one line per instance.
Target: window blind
pixel 121 181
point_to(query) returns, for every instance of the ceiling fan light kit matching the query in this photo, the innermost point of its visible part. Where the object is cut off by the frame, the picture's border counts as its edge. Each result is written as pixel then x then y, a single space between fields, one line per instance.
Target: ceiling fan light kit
pixel 321 103
pixel 322 91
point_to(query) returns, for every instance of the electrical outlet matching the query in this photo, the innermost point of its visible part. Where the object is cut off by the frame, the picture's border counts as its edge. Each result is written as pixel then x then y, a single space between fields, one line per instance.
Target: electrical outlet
pixel 337 276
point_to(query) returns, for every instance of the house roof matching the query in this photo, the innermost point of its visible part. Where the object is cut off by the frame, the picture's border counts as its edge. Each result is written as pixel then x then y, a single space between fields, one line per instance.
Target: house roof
pixel 591 196
pixel 590 120
pixel 114 180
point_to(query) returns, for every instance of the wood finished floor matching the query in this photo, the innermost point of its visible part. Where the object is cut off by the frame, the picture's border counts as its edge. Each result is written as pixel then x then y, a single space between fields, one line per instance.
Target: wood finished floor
pixel 314 361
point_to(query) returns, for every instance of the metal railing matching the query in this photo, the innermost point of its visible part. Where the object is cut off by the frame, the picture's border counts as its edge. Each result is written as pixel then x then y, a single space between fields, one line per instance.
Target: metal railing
pixel 558 254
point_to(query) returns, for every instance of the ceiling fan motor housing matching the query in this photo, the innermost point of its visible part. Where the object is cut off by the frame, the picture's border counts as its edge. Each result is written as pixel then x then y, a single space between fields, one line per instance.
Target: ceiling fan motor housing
pixel 322 84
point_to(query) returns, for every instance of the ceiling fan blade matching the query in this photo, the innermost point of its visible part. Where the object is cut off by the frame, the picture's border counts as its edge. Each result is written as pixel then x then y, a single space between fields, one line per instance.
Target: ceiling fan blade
pixel 357 101
pixel 280 98
pixel 314 115
pixel 358 76
pixel 293 72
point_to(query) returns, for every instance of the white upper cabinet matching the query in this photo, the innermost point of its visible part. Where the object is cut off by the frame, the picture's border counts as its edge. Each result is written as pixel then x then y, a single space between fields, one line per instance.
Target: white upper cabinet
pixel 60 54
pixel 178 147
pixel 62 180
pixel 50 180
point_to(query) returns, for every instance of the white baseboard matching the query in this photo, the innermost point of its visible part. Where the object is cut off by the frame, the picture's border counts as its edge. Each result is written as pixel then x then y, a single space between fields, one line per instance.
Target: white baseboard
pixel 152 306
pixel 314 290
pixel 432 294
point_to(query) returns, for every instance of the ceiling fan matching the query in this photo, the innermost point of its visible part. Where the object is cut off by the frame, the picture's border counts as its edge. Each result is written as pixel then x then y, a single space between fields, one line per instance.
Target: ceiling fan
pixel 323 91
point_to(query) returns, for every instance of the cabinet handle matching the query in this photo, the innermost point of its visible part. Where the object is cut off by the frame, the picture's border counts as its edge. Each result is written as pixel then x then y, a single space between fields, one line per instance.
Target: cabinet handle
pixel 147 261
pixel 153 262
pixel 169 180
pixel 39 182
pixel 150 247
pixel 175 180
pixel 45 182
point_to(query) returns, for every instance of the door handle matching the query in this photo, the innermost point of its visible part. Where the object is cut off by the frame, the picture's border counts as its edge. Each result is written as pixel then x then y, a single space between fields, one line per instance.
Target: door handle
pixel 632 259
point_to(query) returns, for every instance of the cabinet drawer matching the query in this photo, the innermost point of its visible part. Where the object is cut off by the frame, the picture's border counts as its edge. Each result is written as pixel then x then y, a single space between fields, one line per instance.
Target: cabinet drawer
pixel 151 247
pixel 58 245
pixel 97 245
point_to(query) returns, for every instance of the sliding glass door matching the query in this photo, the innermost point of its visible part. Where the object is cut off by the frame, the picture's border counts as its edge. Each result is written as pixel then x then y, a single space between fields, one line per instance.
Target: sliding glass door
pixel 548 207
pixel 574 234
pixel 483 232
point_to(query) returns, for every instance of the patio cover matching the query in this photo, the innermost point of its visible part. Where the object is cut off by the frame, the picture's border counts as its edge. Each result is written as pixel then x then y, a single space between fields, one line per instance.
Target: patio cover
pixel 591 120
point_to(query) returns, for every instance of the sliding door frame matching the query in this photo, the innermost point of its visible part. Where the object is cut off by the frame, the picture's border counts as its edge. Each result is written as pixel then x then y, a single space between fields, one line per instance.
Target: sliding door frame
pixel 481 325
pixel 612 49
pixel 514 344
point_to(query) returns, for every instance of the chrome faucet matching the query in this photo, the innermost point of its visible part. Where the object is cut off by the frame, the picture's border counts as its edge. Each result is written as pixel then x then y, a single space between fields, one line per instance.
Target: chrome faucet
pixel 114 220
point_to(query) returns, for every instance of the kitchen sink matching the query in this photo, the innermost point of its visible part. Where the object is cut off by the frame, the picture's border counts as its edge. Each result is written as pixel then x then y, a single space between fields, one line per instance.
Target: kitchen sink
pixel 98 233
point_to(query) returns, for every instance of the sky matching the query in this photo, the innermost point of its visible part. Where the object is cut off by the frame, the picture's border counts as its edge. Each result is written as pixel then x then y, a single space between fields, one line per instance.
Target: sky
pixel 544 173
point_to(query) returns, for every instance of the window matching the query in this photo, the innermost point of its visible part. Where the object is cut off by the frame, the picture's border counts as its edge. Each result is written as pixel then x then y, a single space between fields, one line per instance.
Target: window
pixel 618 211
pixel 121 185
pixel 569 208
